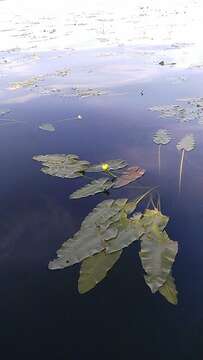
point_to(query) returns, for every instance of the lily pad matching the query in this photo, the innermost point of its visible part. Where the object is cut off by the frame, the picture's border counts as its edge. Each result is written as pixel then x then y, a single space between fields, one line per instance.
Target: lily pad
pixel 157 255
pixel 61 165
pixel 95 187
pixel 90 239
pixel 113 165
pixel 153 218
pixel 47 127
pixel 129 175
pixel 95 268
pixel 128 231
pixel 95 232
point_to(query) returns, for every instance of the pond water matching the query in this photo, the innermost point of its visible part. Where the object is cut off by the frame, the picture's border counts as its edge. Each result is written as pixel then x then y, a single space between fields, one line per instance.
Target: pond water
pixel 42 313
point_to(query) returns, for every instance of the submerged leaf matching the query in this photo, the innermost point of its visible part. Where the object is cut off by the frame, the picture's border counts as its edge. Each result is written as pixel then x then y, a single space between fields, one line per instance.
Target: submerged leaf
pixel 95 268
pixel 96 186
pixel 129 175
pixel 162 137
pixel 187 143
pixel 47 127
pixel 113 165
pixel 61 165
pixel 168 290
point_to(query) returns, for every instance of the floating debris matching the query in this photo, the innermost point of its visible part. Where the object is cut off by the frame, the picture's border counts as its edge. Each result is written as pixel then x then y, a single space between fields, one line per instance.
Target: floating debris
pixel 63 72
pixel 87 92
pixel 191 109
pixel 4 112
pixel 33 82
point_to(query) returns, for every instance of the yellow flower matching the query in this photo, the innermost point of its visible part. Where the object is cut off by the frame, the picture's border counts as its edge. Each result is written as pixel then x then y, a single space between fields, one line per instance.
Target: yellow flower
pixel 105 167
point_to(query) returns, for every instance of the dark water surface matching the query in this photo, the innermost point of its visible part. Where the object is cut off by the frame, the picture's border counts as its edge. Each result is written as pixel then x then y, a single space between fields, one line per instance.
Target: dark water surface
pixel 42 314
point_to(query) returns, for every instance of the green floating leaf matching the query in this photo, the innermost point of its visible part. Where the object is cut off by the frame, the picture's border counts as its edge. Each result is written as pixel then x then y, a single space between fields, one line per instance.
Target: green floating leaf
pixel 128 231
pixel 47 127
pixel 96 231
pixel 113 165
pixel 187 143
pixel 94 269
pixel 153 218
pixel 96 186
pixel 61 165
pixel 162 137
pixel 129 175
pixel 168 290
pixel 157 255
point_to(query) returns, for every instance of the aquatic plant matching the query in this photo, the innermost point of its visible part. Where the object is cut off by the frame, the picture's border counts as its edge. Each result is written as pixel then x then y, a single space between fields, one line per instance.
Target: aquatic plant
pixel 187 143
pixel 107 231
pixel 69 166
pixel 161 137
pixel 112 226
pixel 190 109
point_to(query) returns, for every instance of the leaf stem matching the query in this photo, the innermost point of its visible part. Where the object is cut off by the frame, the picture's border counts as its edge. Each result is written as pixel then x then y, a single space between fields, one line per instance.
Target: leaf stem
pixel 159 158
pixel 181 170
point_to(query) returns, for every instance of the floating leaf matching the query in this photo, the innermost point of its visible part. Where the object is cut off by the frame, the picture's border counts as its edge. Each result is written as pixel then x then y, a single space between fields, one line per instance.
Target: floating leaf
pixel 113 165
pixel 96 186
pixel 47 127
pixel 129 175
pixel 90 239
pixel 187 143
pixel 61 165
pixel 162 137
pixel 95 268
pixel 153 218
pixel 95 232
pixel 157 254
pixel 128 231
pixel 168 290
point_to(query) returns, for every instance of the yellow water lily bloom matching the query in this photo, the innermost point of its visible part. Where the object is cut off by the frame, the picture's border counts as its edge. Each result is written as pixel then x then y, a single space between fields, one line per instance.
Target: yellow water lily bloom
pixel 105 167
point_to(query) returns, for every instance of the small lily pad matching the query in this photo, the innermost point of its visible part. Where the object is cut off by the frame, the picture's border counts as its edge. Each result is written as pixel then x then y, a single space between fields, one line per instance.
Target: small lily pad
pixel 47 127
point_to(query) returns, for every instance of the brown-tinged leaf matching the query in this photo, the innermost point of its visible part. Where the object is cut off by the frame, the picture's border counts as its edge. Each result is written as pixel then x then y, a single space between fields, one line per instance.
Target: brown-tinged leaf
pixel 129 175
